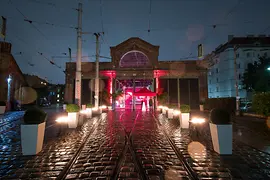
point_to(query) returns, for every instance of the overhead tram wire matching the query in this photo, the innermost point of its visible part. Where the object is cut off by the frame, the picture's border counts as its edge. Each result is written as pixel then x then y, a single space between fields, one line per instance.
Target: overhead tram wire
pixel 215 25
pixel 48 4
pixel 45 37
pixel 149 20
pixel 39 52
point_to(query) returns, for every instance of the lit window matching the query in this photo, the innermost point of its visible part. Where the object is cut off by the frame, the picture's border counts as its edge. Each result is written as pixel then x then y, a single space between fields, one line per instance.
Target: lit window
pixel 58 95
pixel 57 100
pixel 41 82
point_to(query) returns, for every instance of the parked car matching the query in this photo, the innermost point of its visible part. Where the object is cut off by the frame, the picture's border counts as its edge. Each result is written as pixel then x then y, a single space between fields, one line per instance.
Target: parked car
pixel 246 107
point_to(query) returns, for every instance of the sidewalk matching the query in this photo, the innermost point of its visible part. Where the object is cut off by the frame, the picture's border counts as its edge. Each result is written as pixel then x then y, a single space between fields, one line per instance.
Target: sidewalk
pixel 252 131
pixel 245 162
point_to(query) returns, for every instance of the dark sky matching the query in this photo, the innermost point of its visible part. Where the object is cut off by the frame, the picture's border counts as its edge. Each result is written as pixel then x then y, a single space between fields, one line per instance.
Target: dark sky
pixel 178 26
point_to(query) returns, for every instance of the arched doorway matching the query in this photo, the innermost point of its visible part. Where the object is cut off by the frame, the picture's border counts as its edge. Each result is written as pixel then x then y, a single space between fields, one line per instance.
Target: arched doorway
pixel 134 59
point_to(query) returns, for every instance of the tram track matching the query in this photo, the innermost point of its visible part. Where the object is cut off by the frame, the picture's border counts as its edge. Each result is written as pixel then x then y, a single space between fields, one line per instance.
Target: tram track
pixel 129 146
pixel 192 174
pixel 72 161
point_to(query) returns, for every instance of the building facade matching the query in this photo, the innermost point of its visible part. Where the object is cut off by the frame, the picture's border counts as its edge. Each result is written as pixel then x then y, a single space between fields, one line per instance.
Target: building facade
pixel 223 72
pixel 11 76
pixel 56 93
pixel 134 66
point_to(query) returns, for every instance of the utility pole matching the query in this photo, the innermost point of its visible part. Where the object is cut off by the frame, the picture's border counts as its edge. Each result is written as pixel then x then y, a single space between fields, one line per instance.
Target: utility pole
pixel 79 58
pixel 97 71
pixel 236 81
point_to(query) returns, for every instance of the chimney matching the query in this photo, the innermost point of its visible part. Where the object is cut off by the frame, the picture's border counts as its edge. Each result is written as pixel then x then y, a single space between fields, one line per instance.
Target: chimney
pixel 5 47
pixel 230 37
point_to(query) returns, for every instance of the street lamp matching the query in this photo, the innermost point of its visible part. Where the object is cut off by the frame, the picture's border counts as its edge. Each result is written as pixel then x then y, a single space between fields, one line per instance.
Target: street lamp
pixel 268 69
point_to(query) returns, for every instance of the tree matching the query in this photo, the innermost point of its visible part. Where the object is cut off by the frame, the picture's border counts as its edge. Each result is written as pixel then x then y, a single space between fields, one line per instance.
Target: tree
pixel 256 77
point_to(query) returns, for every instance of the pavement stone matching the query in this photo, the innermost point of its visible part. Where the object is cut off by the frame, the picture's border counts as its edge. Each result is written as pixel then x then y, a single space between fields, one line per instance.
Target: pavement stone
pixel 49 162
pixel 245 163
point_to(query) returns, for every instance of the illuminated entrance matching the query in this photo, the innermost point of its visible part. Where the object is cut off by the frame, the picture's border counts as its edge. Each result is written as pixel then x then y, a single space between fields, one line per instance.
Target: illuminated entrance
pixel 135 93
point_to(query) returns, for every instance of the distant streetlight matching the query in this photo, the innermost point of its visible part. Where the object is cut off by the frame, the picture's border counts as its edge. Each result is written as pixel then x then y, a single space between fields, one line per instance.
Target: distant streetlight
pixel 268 68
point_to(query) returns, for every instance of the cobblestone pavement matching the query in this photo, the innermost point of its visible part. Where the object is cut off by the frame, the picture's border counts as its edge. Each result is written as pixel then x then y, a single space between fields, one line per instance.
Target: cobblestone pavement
pixel 250 130
pixel 49 162
pixel 245 163
pixel 132 145
pixel 128 145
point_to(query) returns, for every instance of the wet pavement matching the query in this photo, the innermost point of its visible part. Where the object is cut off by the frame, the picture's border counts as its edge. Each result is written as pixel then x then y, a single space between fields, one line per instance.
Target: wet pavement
pixel 130 145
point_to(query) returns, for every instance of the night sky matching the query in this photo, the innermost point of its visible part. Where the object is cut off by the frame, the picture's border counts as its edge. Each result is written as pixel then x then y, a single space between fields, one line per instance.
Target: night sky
pixel 178 26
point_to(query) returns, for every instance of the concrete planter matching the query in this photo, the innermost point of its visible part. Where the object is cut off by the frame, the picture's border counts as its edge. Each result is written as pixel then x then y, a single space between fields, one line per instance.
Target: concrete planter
pixel 83 107
pixel 64 107
pixel 170 113
pixel 89 113
pixel 164 110
pixel 221 138
pixel 2 109
pixel 32 136
pixel 184 120
pixel 73 118
pixel 201 107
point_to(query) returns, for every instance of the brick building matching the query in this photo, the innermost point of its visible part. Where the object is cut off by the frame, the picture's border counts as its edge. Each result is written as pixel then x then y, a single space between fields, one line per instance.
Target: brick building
pixel 11 76
pixel 135 65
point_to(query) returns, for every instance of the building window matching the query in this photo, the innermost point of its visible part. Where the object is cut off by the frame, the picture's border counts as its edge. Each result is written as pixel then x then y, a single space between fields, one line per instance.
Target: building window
pixel 239 76
pixel 217 70
pixel 209 81
pixel 217 89
pixel 210 73
pixel 217 79
pixel 248 54
pixel 239 66
pixel 237 55
pixel 265 54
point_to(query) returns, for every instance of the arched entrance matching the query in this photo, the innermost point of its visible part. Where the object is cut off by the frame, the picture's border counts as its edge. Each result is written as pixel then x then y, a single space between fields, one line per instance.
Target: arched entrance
pixel 134 59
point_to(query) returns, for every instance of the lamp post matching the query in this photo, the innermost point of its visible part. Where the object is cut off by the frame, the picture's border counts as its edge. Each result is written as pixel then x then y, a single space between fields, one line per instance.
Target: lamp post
pixel 9 79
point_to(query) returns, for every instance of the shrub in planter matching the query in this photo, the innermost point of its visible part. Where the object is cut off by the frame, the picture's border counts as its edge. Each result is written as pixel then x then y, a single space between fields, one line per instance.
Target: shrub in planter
pixel 170 111
pixel 185 110
pixel 221 131
pixel 32 131
pixel 2 107
pixel 73 115
pixel 261 103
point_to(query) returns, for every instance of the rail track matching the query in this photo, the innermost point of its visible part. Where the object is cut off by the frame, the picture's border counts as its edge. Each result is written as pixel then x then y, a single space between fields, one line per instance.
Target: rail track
pixel 69 165
pixel 129 146
pixel 192 174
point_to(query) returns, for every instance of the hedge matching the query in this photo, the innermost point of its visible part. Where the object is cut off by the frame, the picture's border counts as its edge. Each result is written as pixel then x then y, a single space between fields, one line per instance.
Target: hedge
pixel 229 104
pixel 261 103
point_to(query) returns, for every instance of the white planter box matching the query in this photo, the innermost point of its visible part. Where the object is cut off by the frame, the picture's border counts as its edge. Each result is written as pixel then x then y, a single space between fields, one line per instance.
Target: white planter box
pixel 221 138
pixel 64 106
pixel 32 136
pixel 89 113
pixel 2 109
pixel 201 107
pixel 184 120
pixel 164 111
pixel 83 107
pixel 170 113
pixel 73 119
pixel 100 110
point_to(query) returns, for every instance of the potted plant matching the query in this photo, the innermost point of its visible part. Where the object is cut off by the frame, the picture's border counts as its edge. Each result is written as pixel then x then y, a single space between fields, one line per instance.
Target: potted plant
pixel 89 110
pixel 83 106
pixel 185 110
pixel 32 131
pixel 221 131
pixel 170 111
pixel 202 102
pixel 2 107
pixel 73 115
